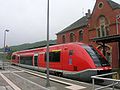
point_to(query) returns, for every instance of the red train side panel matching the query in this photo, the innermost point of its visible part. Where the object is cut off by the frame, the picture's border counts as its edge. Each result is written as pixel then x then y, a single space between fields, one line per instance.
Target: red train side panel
pixel 73 60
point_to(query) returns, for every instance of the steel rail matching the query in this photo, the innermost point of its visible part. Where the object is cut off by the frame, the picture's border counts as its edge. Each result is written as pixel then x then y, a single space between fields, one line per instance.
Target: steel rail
pixel 100 77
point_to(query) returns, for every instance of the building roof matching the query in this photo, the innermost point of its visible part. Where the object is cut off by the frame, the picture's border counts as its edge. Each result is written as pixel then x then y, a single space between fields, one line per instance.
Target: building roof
pixel 84 21
pixel 107 39
pixel 113 4
pixel 79 23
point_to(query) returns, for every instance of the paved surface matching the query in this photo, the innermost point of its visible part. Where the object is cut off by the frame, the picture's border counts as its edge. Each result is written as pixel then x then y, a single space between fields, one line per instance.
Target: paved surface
pixel 16 78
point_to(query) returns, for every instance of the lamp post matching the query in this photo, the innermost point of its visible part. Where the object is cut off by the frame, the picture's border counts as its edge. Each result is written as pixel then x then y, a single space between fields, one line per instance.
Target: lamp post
pixel 4 45
pixel 47 63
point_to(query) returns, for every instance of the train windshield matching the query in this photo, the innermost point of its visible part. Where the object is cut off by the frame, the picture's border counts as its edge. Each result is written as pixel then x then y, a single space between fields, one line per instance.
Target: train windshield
pixel 96 56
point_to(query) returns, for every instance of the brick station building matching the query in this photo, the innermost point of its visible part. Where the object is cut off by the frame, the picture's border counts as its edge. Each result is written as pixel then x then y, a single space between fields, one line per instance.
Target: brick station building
pixel 101 24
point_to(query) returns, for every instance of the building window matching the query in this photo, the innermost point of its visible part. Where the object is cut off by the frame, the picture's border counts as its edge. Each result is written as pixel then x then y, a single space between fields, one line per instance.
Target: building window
pixel 98 32
pixel 80 35
pixel 72 37
pixel 100 5
pixel 108 52
pixel 107 30
pixel 63 39
pixel 103 30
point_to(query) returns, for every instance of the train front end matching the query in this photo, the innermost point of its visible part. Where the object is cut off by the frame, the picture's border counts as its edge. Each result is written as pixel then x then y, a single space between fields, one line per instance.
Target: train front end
pixel 90 62
pixel 102 65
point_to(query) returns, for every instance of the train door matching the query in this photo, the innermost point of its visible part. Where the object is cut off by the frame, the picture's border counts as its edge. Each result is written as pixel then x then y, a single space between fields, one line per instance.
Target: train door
pixel 66 58
pixel 36 59
pixel 18 58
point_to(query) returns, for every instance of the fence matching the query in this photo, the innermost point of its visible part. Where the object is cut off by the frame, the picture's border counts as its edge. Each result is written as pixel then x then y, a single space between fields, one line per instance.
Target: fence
pixel 4 65
pixel 101 77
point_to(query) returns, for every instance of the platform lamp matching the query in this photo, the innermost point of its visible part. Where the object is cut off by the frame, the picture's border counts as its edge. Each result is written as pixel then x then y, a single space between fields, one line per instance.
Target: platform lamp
pixel 47 63
pixel 4 45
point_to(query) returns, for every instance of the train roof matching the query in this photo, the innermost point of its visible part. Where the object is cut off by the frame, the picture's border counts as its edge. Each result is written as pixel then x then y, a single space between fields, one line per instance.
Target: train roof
pixel 37 49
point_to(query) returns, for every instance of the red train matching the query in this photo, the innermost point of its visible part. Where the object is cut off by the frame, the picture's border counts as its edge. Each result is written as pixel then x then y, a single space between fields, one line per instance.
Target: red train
pixel 72 60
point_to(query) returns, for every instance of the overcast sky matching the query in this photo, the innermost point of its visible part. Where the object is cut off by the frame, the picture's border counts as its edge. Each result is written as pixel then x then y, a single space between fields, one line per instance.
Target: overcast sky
pixel 26 19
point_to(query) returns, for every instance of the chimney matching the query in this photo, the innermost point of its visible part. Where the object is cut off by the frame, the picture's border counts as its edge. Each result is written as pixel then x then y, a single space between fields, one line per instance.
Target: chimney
pixel 88 14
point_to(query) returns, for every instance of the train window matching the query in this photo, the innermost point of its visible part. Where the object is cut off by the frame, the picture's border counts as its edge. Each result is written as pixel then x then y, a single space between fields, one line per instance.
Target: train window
pixel 36 60
pixel 71 52
pixel 96 56
pixel 53 56
pixel 14 56
pixel 26 60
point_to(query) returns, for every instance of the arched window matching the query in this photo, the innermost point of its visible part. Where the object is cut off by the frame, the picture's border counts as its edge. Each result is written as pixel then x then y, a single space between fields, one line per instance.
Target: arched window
pixel 80 35
pixel 98 32
pixel 107 30
pixel 103 29
pixel 63 39
pixel 72 37
pixel 108 52
pixel 102 26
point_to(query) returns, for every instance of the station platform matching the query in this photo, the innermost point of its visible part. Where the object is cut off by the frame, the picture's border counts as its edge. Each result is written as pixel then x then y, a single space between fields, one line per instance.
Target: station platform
pixel 17 78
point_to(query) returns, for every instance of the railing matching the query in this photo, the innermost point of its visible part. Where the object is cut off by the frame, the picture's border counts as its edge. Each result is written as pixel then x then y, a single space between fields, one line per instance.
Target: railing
pixel 100 77
pixel 4 64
